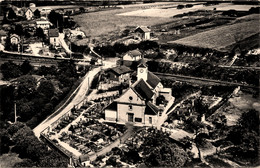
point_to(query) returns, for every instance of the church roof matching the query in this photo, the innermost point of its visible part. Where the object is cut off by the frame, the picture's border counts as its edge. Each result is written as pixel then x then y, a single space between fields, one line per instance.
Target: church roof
pixel 152 79
pixel 121 70
pixel 143 90
pixel 151 109
pixel 112 106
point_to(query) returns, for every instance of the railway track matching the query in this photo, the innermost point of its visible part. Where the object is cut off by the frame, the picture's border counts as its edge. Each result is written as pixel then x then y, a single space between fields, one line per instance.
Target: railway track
pixel 202 81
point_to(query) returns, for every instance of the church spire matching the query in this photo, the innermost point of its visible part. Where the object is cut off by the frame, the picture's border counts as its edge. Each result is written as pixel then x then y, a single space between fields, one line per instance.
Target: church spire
pixel 142 71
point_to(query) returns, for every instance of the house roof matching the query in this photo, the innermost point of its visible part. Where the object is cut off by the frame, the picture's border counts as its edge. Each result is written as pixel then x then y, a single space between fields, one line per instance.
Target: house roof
pixel 134 53
pixel 143 90
pixel 3 33
pixel 143 29
pixel 119 70
pixel 112 106
pixel 151 109
pixel 15 35
pixel 43 22
pixel 142 64
pixel 152 79
pixel 53 33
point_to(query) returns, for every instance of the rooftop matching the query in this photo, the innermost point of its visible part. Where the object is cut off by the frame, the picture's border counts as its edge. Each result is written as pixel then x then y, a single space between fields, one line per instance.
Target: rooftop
pixel 53 33
pixel 143 90
pixel 143 29
pixel 134 53
pixel 151 109
pixel 112 106
pixel 152 79
pixel 121 70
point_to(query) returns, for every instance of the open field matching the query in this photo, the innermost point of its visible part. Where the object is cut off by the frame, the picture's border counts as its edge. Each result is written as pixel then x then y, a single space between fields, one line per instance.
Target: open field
pixel 99 23
pixel 224 37
pixel 172 11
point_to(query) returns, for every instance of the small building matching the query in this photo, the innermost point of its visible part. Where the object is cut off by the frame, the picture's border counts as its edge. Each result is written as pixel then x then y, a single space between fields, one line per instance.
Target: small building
pixel 15 39
pixel 119 74
pixel 131 56
pixel 54 37
pixel 3 36
pixel 143 33
pixel 44 24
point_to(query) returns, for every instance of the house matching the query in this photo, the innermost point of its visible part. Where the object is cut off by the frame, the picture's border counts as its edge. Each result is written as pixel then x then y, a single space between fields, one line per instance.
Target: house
pixel 142 32
pixel 119 74
pixel 15 39
pixel 54 37
pixel 3 36
pixel 76 33
pixel 130 56
pixel 44 24
pixel 28 13
pixel 137 105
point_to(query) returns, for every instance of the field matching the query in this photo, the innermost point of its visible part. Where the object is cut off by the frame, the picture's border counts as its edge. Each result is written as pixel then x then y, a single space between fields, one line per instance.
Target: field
pixel 223 38
pixel 171 11
pixel 99 23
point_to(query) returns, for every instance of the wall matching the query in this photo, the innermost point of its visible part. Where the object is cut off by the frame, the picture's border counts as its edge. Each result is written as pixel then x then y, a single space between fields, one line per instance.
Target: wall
pixel 110 115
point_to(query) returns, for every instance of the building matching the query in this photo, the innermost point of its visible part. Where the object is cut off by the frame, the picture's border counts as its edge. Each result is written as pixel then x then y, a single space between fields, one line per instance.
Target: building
pixel 119 74
pixel 44 24
pixel 143 33
pixel 27 13
pixel 15 39
pixel 137 105
pixel 54 37
pixel 76 33
pixel 3 36
pixel 131 56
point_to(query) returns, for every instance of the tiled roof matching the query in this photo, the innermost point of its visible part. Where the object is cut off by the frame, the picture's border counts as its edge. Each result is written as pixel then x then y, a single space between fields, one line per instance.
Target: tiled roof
pixel 143 90
pixel 143 29
pixel 151 109
pixel 134 53
pixel 121 70
pixel 152 79
pixel 112 106
pixel 53 33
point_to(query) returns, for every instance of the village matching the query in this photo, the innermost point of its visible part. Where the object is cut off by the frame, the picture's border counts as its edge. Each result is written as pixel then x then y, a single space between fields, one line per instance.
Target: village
pixel 139 96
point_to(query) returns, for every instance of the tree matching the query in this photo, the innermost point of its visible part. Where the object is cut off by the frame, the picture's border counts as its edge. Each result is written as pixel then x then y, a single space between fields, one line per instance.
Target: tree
pixel 37 13
pixel 26 86
pixel 46 89
pixel 160 100
pixel 26 67
pixel 82 9
pixel 11 14
pixel 10 70
pixel 18 30
pixel 39 33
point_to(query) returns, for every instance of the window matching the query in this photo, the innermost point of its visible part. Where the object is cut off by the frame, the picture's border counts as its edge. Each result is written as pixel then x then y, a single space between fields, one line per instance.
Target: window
pixel 130 117
pixel 130 107
pixel 150 120
pixel 130 98
pixel 138 119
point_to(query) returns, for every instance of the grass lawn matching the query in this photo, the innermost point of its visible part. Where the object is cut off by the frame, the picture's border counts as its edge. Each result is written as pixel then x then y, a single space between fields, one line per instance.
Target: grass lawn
pixel 9 160
pixel 223 38
pixel 103 22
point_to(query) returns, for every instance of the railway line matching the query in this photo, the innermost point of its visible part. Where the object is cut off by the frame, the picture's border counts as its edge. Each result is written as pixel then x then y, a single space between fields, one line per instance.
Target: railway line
pixel 202 81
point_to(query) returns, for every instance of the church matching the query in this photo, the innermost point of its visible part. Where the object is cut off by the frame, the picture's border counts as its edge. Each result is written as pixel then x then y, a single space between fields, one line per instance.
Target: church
pixel 139 104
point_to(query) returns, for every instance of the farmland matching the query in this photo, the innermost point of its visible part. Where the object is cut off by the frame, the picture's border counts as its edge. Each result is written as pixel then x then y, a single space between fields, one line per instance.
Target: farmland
pixel 222 38
pixel 172 11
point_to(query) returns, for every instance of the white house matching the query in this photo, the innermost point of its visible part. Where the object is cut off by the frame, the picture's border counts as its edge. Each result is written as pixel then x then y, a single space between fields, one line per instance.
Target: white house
pixel 143 33
pixel 44 24
pixel 15 39
pixel 54 37
pixel 131 56
pixel 28 13
pixel 137 104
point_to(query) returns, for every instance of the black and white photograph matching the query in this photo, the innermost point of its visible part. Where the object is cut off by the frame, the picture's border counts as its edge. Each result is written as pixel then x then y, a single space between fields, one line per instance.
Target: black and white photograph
pixel 129 83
